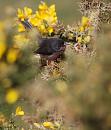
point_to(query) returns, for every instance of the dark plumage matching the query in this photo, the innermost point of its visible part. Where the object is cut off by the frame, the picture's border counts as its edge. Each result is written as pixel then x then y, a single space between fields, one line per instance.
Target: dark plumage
pixel 48 46
pixel 50 49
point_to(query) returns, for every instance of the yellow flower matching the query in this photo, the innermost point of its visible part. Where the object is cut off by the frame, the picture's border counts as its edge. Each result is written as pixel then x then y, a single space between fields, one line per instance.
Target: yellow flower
pixel 52 19
pixel 24 14
pixel 50 30
pixel 52 11
pixel 48 125
pixel 87 39
pixel 21 28
pixel 43 6
pixel 19 111
pixel 81 29
pixel 12 96
pixel 52 8
pixel 79 39
pixel 35 21
pixel 27 11
pixel 47 17
pixel 20 14
pixel 42 28
pixel 2 49
pixel 55 19
pixel 85 21
pixel 44 19
pixel 12 55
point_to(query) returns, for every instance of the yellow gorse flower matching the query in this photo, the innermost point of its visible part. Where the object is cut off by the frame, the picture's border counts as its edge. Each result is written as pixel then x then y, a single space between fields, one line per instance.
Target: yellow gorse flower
pixel 50 29
pixel 85 21
pixel 24 14
pixel 48 125
pixel 12 96
pixel 21 15
pixel 79 39
pixel 27 11
pixel 21 28
pixel 87 39
pixel 35 21
pixel 12 55
pixel 81 29
pixel 3 47
pixel 84 31
pixel 19 111
pixel 44 18
pixel 43 6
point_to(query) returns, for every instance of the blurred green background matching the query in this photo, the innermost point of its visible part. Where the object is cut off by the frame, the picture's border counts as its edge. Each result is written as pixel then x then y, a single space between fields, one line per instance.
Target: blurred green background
pixel 67 10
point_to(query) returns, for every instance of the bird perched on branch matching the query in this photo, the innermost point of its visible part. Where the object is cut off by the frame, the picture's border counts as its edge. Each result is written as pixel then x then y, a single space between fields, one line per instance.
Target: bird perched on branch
pixel 50 49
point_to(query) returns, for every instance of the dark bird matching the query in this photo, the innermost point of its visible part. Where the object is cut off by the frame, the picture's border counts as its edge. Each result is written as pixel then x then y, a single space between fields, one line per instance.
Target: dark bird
pixel 50 49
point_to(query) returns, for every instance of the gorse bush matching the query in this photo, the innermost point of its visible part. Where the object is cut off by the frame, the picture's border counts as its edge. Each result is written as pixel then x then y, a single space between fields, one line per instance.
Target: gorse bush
pixel 15 66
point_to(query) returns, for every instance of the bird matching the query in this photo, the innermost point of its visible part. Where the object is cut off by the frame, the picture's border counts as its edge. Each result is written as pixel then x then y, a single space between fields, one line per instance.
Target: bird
pixel 50 48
